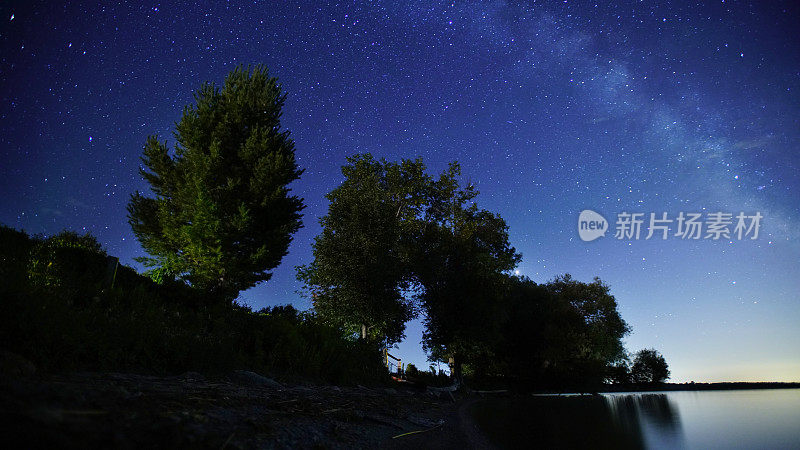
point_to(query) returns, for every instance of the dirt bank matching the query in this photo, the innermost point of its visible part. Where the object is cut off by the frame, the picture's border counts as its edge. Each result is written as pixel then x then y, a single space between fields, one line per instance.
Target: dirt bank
pixel 240 410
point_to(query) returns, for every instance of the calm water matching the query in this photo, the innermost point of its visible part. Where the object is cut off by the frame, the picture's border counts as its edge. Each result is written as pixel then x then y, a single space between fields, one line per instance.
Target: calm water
pixel 751 419
pixel 739 419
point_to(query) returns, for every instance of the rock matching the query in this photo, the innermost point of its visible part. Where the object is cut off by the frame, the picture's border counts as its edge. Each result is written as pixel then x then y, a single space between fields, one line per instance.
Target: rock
pixel 423 421
pixel 192 376
pixel 13 365
pixel 254 379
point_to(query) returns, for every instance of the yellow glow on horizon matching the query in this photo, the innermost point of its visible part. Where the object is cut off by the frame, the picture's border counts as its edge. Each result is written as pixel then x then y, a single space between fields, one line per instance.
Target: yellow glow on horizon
pixel 775 371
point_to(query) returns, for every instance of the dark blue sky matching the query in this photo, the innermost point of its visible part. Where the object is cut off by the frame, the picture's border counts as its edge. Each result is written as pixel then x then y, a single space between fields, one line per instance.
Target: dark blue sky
pixel 551 107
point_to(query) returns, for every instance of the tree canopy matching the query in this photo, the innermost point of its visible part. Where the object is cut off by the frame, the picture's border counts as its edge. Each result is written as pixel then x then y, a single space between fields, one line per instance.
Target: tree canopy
pixel 649 366
pixel 397 242
pixel 591 330
pixel 462 256
pixel 563 333
pixel 222 216
pixel 361 261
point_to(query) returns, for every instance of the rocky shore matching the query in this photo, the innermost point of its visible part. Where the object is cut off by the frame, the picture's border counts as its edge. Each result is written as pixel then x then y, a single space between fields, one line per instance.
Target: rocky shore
pixel 238 410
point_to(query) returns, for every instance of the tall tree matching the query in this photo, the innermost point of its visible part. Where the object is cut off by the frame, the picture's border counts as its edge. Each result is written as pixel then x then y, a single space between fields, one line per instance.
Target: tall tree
pixel 222 216
pixel 587 338
pixel 361 262
pixel 462 256
pixel 564 333
pixel 533 316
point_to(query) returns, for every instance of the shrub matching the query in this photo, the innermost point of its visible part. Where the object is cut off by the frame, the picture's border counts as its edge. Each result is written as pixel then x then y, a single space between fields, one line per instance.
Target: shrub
pixel 64 319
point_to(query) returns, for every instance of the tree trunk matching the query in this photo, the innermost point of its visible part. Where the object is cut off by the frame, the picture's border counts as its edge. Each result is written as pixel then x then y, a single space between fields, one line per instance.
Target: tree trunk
pixel 363 331
pixel 457 373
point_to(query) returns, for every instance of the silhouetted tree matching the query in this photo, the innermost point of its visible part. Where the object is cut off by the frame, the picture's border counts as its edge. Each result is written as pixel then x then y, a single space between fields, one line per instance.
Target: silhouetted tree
pixel 619 372
pixel 589 337
pixel 361 263
pixel 222 216
pixel 462 256
pixel 564 333
pixel 531 318
pixel 649 366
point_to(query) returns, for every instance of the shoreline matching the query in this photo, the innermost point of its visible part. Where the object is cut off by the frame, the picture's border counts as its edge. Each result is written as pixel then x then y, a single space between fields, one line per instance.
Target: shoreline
pixel 720 386
pixel 241 410
pixel 244 409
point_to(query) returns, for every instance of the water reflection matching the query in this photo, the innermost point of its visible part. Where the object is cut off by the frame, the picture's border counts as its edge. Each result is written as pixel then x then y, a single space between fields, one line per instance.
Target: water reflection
pixel 653 419
pixel 744 419
pixel 581 421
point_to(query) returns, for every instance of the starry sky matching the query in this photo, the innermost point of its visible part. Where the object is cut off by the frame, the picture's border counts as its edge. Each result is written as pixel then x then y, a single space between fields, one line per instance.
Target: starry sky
pixel 551 108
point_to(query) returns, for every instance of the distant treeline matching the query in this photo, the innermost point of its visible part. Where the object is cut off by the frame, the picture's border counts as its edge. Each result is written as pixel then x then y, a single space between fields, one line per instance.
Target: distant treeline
pixel 723 386
pixel 58 308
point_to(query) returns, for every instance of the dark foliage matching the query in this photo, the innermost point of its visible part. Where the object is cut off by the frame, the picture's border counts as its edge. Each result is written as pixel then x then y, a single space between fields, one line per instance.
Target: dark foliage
pixel 222 216
pixel 139 325
pixel 461 258
pixel 649 367
pixel 393 233
pixel 564 334
pixel 361 262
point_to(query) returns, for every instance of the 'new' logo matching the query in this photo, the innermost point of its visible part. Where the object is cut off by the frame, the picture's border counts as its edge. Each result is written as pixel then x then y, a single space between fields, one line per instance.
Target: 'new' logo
pixel 591 225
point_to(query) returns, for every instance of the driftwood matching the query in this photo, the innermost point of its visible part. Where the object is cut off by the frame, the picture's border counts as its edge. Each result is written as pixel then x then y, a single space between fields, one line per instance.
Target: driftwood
pixel 496 391
pixel 418 431
pixel 438 391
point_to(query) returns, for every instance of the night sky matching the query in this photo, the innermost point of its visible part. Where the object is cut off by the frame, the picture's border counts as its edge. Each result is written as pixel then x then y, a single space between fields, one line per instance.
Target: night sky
pixel 551 109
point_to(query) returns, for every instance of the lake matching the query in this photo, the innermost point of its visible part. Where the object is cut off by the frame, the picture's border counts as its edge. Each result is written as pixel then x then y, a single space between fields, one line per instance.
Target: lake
pixel 733 419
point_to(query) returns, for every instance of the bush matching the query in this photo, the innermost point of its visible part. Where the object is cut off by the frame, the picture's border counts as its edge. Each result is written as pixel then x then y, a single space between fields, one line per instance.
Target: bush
pixel 15 247
pixel 63 316
pixel 74 263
